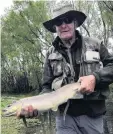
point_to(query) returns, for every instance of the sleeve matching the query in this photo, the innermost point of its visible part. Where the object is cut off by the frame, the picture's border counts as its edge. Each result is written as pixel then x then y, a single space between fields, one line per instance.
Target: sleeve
pixel 47 77
pixel 104 76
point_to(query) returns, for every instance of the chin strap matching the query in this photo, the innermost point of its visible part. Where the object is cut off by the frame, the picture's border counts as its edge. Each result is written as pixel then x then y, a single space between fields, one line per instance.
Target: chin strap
pixel 71 81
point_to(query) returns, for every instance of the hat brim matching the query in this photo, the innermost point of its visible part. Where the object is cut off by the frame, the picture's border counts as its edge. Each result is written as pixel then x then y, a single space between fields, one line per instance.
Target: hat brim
pixel 75 15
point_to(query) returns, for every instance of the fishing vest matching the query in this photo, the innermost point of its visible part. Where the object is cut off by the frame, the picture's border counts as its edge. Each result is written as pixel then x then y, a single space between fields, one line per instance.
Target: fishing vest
pixel 88 58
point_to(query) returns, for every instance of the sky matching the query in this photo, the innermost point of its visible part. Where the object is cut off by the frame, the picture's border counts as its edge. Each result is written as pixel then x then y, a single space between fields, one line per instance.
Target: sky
pixel 5 4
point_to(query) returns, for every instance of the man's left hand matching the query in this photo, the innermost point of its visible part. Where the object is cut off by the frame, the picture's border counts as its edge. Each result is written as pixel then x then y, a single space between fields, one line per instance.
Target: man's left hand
pixel 87 84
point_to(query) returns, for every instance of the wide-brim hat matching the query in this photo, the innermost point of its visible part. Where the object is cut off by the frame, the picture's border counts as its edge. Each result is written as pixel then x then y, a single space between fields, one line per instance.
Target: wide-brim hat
pixel 65 11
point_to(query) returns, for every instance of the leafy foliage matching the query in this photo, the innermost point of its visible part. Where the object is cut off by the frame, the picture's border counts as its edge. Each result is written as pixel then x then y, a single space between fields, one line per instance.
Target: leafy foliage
pixel 23 42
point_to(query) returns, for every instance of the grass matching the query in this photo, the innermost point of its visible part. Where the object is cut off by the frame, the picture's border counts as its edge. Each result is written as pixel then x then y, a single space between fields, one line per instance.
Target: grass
pixel 8 124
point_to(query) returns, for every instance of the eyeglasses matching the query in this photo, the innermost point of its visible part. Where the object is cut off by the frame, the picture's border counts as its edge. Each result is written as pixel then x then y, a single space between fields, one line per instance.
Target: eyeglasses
pixel 60 21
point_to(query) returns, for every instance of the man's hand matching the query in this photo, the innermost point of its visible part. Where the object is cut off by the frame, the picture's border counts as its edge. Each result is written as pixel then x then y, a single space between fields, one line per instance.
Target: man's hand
pixel 87 84
pixel 28 112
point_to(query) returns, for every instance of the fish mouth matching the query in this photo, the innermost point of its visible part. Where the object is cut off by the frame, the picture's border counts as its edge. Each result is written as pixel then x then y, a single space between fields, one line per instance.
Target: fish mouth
pixel 6 113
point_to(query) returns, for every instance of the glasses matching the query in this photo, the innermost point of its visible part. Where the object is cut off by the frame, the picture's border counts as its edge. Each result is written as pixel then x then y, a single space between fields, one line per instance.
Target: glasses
pixel 60 21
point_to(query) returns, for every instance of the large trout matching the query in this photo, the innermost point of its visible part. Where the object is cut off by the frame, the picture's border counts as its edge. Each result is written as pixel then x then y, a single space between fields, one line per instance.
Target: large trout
pixel 46 101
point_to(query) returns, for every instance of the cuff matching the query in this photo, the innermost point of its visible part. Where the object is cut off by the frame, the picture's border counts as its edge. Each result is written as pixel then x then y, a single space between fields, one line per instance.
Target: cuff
pixel 97 77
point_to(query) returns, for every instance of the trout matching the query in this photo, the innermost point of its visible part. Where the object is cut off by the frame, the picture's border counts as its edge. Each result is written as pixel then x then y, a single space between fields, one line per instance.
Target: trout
pixel 46 101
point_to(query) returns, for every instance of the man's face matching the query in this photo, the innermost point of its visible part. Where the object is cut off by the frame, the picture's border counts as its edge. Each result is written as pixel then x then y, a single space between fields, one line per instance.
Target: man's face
pixel 65 30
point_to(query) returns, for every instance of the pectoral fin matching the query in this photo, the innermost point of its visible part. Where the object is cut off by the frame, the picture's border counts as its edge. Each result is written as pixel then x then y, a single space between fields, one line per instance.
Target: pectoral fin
pixel 55 108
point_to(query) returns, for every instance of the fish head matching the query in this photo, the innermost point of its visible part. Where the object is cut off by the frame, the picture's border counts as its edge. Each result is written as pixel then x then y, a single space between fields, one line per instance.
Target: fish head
pixel 12 109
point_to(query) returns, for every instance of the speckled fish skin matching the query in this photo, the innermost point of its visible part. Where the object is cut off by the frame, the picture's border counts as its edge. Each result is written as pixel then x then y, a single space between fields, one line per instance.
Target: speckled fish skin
pixel 46 101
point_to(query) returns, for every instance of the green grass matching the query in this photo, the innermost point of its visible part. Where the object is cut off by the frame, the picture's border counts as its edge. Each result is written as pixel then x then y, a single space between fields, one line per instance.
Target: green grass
pixel 8 124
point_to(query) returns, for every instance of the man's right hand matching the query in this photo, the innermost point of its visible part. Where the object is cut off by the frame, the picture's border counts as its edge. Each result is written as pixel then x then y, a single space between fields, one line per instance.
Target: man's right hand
pixel 28 112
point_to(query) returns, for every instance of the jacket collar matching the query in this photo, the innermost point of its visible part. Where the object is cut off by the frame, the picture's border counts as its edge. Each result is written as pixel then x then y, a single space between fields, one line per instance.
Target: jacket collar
pixel 58 44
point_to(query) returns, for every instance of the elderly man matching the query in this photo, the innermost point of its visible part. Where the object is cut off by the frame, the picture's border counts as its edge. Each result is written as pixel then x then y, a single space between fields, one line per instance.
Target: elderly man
pixel 73 58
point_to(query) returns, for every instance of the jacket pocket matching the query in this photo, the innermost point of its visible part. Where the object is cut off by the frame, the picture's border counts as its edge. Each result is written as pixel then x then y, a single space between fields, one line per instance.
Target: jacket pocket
pixel 91 67
pixel 92 62
pixel 96 108
pixel 56 62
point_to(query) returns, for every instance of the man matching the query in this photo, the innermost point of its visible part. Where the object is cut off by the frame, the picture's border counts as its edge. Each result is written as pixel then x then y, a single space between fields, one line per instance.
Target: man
pixel 75 58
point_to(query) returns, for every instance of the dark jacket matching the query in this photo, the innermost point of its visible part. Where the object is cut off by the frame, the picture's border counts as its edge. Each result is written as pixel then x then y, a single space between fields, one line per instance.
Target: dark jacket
pixel 93 104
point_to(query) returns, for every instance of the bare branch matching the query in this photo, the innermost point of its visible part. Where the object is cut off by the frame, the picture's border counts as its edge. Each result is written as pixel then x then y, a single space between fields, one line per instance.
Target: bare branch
pixel 111 9
pixel 86 29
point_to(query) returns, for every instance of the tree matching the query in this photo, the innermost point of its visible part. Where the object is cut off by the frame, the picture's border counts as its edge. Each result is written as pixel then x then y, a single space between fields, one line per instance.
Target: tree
pixel 107 17
pixel 23 41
